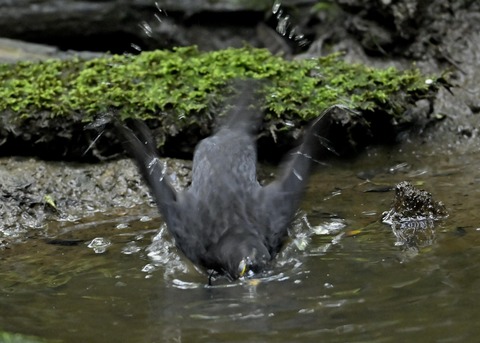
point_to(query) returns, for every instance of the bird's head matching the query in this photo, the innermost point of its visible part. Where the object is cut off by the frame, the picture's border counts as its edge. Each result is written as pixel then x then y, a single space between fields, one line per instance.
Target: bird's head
pixel 243 256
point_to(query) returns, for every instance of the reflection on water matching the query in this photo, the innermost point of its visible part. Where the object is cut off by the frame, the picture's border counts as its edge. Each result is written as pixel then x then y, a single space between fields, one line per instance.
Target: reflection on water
pixel 341 278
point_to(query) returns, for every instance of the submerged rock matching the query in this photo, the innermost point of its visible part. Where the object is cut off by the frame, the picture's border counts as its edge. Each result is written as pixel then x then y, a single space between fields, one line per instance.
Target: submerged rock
pixel 413 204
pixel 413 216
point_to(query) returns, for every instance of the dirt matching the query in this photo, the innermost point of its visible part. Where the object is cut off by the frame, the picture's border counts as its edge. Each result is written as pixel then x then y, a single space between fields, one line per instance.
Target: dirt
pixel 33 192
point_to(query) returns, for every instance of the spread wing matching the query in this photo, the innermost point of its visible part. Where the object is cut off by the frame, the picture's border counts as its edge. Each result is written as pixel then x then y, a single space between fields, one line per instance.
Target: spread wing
pixel 282 197
pixel 140 145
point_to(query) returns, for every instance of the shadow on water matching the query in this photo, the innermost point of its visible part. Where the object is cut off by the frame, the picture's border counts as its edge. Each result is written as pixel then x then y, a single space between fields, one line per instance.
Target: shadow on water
pixel 341 278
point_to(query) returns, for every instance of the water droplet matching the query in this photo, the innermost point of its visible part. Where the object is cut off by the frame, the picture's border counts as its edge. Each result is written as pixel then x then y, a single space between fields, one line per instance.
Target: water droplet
pixel 146 28
pixel 276 6
pixel 297 175
pixel 130 248
pixel 279 14
pixel 301 241
pixel 299 37
pixel 282 25
pixel 303 42
pixel 136 47
pixel 99 244
pixel 160 9
pixel 329 228
pixel 148 268
pixel 121 226
pixel 291 35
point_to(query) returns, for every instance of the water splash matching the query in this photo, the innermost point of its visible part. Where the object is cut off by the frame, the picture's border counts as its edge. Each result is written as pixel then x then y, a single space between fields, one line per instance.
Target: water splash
pixel 136 47
pixel 159 9
pixel 329 228
pixel 151 29
pixel 144 219
pixel 283 24
pixel 99 244
pixel 147 29
pixel 285 27
pixel 276 6
pixel 163 255
pixel 131 248
pixel 122 226
pixel 413 215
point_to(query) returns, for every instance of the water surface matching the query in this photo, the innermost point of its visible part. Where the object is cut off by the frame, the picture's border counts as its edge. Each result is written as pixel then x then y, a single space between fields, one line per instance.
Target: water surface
pixel 342 278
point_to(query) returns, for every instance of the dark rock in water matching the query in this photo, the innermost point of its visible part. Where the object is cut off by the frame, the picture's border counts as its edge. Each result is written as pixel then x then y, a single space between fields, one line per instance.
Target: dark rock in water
pixel 412 203
pixel 413 216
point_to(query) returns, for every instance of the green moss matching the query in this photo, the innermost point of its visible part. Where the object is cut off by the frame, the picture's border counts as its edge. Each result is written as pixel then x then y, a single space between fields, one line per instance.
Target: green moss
pixel 7 337
pixel 185 82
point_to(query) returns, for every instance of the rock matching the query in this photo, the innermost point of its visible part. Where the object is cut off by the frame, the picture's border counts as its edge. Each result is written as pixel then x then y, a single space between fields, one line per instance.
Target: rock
pixel 34 193
pixel 114 25
pixel 413 216
pixel 12 51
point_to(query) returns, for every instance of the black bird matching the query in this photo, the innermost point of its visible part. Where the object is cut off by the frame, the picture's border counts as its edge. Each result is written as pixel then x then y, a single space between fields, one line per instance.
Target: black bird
pixel 226 222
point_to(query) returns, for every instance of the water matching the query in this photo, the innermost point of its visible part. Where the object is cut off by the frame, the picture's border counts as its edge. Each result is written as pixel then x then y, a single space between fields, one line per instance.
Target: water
pixel 342 279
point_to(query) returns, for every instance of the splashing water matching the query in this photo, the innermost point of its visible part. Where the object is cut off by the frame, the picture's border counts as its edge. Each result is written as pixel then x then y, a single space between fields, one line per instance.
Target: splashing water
pixel 163 254
pixel 329 228
pixel 136 47
pixel 99 245
pixel 276 6
pixel 146 28
pixel 285 28
pixel 160 9
pixel 282 26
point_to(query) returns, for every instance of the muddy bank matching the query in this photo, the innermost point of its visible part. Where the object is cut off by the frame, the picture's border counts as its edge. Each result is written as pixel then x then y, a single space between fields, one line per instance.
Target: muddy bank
pixel 34 193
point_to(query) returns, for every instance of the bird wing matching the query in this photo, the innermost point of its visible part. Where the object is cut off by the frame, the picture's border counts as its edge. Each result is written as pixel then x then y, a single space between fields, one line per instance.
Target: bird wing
pixel 140 144
pixel 181 212
pixel 282 196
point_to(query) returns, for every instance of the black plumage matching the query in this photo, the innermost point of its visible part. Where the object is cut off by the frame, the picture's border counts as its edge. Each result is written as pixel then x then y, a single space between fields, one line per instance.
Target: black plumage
pixel 226 222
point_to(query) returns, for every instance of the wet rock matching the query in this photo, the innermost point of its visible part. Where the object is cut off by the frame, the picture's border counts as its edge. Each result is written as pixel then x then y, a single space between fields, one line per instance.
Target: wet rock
pixel 382 23
pixel 114 25
pixel 12 51
pixel 411 203
pixel 34 193
pixel 413 215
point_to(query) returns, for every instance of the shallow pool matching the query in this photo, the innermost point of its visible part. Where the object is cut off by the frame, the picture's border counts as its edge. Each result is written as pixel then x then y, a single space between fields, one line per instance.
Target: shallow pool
pixel 342 278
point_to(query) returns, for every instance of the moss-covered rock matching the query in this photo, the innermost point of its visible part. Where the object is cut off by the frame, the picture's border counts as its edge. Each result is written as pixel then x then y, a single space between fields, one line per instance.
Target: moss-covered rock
pixel 183 88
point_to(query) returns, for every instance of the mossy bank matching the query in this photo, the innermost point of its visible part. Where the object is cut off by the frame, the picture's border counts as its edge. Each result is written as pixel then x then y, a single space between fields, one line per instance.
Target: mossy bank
pixel 181 91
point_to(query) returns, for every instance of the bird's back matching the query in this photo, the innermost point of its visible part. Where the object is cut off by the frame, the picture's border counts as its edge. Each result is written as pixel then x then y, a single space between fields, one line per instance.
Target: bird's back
pixel 224 186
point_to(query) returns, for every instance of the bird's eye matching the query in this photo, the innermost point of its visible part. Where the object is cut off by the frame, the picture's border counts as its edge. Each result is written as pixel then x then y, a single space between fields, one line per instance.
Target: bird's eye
pixel 242 267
